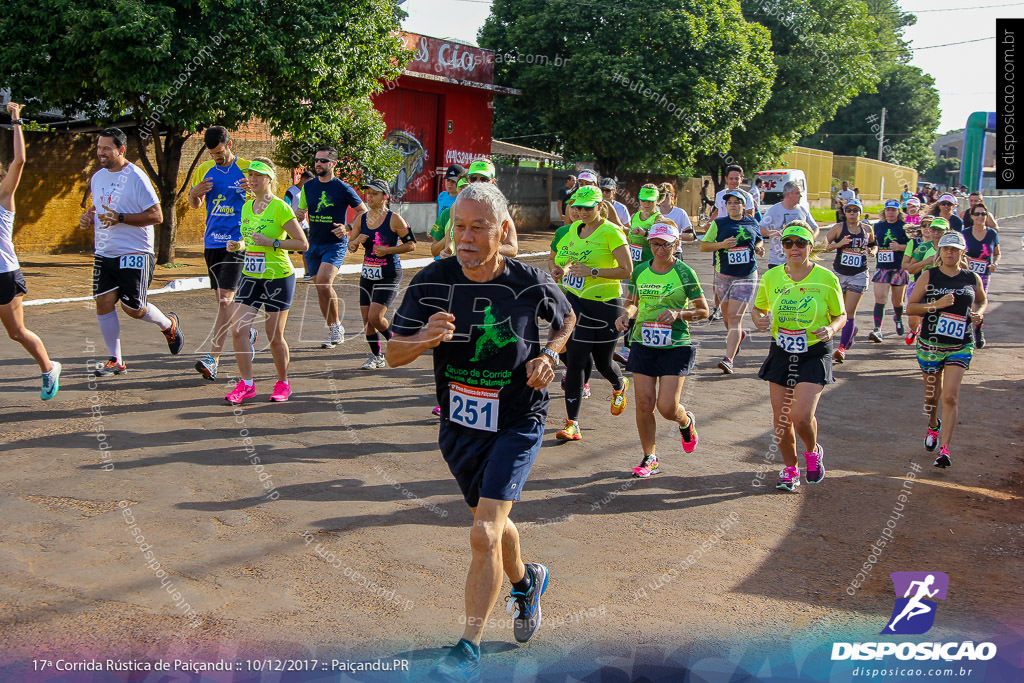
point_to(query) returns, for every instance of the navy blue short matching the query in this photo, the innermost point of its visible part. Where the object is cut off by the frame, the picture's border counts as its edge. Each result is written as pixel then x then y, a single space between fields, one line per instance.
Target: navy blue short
pixel 274 294
pixel 381 292
pixel 490 465
pixel 333 253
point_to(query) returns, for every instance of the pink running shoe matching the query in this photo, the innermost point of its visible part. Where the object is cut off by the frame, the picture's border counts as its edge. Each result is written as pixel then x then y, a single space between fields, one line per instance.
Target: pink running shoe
pixel 240 393
pixel 281 392
pixel 436 412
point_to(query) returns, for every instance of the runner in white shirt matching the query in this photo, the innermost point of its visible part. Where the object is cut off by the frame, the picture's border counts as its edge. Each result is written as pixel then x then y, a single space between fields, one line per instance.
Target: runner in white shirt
pixel 842 196
pixel 125 208
pixel 733 178
pixel 12 282
pixel 677 214
pixel 779 216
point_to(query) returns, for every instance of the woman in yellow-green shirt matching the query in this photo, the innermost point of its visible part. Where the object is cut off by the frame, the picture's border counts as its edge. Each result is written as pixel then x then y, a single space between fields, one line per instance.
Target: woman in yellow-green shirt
pixel 591 257
pixel 269 232
pixel 802 304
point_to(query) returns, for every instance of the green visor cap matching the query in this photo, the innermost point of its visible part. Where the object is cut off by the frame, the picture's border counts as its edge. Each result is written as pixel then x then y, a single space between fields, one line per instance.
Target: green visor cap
pixel 939 224
pixel 482 167
pixel 648 194
pixel 587 196
pixel 461 184
pixel 798 231
pixel 261 168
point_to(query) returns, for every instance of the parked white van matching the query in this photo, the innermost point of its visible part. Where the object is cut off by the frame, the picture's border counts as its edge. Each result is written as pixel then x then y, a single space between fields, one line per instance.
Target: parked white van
pixel 773 181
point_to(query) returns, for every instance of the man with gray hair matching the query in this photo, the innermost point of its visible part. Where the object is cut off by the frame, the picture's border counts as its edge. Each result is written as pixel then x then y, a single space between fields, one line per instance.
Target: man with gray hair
pixel 779 216
pixel 479 312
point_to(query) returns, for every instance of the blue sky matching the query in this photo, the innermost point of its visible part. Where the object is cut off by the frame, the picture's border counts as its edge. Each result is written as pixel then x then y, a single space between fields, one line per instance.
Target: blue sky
pixel 964 74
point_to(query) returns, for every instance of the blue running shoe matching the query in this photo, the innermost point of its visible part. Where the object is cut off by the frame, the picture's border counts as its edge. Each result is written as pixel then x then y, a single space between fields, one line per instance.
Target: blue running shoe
pixel 51 382
pixel 460 665
pixel 525 607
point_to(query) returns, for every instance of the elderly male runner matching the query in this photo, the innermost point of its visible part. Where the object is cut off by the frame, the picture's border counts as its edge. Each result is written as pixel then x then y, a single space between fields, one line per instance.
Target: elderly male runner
pixel 479 313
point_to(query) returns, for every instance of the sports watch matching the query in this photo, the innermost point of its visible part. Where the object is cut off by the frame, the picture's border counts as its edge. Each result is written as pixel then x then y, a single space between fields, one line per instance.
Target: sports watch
pixel 594 271
pixel 277 244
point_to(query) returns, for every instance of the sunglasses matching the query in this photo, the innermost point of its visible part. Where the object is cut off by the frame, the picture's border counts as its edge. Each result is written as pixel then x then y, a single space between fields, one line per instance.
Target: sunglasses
pixel 789 244
pixel 663 245
pixel 853 210
pixel 478 178
pixel 323 161
pixel 980 213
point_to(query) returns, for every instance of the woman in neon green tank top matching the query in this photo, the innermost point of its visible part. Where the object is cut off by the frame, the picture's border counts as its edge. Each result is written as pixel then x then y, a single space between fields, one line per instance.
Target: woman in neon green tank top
pixel 269 232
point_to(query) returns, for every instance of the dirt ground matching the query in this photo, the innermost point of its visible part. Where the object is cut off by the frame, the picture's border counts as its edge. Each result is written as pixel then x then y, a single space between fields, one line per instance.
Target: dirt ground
pixel 348 538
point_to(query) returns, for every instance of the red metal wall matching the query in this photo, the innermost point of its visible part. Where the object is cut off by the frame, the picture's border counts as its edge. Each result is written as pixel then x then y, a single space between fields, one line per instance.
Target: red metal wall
pixel 424 110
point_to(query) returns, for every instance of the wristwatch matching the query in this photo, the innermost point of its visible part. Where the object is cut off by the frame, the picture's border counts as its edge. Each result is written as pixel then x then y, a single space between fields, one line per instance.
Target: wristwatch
pixel 594 271
pixel 550 354
pixel 120 218
pixel 277 244
pixel 17 122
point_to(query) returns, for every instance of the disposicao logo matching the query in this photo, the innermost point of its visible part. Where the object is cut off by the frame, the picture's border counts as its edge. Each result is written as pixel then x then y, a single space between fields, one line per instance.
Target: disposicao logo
pixel 913 614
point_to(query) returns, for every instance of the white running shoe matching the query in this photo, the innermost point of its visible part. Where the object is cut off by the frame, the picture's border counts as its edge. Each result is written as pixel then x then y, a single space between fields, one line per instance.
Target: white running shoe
pixel 335 336
pixel 374 363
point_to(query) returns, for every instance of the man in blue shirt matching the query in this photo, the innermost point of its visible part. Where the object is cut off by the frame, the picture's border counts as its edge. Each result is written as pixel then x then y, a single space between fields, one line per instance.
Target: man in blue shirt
pixel 451 179
pixel 220 182
pixel 324 202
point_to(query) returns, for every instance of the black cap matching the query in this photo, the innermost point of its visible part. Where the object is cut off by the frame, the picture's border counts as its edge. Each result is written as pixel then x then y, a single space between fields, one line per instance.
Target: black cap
pixel 453 172
pixel 378 185
pixel 608 184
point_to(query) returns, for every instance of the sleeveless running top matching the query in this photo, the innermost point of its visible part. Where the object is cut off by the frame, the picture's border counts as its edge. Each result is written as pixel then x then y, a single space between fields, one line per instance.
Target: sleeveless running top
pixel 952 325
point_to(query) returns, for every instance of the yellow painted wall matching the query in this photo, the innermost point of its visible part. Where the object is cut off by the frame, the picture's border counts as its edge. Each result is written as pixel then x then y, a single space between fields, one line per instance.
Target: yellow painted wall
pixel 817 166
pixel 877 180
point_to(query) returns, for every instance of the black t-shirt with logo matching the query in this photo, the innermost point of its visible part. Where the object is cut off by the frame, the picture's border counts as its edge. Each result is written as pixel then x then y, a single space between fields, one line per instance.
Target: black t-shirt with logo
pixel 327 203
pixel 481 373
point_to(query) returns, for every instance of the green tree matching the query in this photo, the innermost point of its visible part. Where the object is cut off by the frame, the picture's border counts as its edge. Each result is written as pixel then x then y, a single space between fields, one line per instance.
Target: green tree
pixel 822 51
pixel 945 171
pixel 173 68
pixel 912 115
pixel 644 83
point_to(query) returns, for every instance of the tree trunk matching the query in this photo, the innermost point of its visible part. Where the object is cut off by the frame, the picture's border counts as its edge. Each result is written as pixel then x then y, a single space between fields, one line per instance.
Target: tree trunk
pixel 168 189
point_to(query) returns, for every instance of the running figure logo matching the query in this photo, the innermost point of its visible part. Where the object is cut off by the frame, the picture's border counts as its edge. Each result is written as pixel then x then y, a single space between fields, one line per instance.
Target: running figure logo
pixel 325 202
pixel 914 613
pixel 495 336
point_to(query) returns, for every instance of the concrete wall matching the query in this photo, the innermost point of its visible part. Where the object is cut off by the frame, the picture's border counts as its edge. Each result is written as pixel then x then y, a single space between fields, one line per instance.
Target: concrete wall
pixel 817 166
pixel 877 180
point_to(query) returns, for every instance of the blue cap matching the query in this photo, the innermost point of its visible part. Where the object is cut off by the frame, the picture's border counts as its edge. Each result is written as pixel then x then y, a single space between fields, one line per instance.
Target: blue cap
pixel 735 193
pixel 892 204
pixel 854 202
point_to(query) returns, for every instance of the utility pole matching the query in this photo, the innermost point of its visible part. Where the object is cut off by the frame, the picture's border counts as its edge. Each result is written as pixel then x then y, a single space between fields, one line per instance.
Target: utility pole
pixel 881 135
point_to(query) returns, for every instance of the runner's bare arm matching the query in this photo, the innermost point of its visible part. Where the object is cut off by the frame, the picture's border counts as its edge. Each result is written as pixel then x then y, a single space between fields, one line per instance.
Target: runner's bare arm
pixel 150 216
pixel 980 301
pixel 541 370
pixel 403 350
pixel 400 228
pixel 10 182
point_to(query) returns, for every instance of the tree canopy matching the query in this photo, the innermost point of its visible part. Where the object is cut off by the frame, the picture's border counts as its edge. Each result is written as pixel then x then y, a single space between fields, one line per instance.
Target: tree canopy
pixel 649 83
pixel 171 69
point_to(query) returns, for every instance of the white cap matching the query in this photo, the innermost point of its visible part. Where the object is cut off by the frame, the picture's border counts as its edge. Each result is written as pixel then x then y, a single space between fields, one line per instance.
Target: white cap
pixel 948 198
pixel 587 176
pixel 663 231
pixel 952 238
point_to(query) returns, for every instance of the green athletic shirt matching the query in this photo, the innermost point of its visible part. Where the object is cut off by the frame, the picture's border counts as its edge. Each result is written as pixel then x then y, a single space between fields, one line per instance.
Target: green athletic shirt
pixel 596 251
pixel 921 252
pixel 442 223
pixel 641 240
pixel 657 292
pixel 270 223
pixel 805 305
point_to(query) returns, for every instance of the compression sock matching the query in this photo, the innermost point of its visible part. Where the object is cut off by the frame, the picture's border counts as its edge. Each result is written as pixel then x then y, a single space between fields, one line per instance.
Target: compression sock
pixel 110 328
pixel 847 335
pixel 155 316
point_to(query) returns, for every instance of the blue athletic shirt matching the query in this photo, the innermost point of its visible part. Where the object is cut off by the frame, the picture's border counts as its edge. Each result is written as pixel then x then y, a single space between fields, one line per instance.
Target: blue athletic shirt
pixel 885 235
pixel 327 204
pixel 224 201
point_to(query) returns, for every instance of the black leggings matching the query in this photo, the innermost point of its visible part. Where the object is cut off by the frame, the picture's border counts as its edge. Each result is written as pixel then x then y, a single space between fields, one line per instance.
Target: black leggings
pixel 577 367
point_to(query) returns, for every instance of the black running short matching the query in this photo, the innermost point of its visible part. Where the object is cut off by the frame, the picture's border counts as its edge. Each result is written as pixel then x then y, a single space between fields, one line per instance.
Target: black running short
pixel 224 267
pixel 12 283
pixel 130 275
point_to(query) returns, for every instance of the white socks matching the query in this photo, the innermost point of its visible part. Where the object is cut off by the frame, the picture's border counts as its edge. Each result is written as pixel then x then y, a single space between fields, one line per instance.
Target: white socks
pixel 110 327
